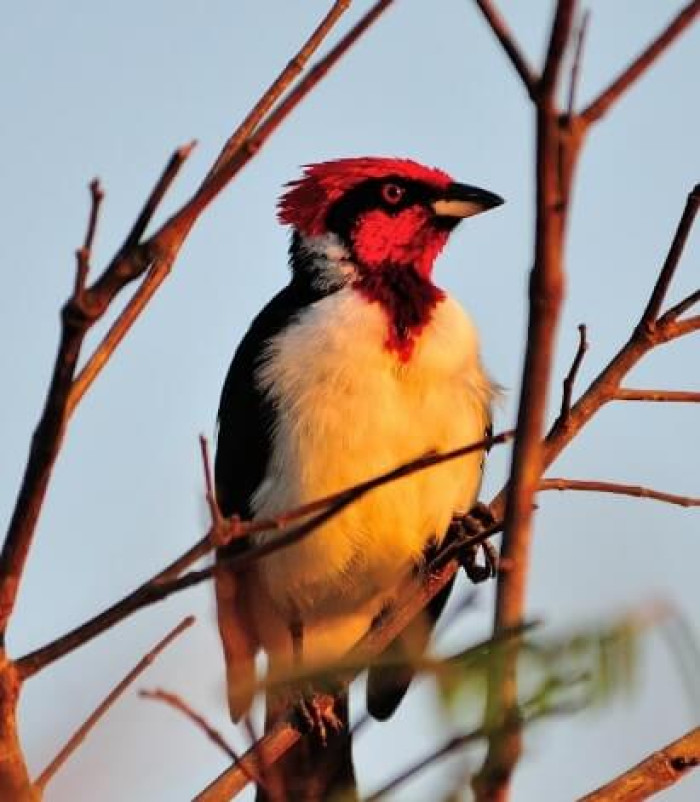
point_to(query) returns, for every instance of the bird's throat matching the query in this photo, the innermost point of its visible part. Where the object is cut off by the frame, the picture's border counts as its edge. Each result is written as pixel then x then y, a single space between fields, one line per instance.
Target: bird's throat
pixel 407 298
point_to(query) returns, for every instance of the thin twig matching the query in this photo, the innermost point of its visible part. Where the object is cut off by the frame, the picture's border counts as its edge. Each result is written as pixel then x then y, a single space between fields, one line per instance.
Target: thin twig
pixel 509 44
pixel 576 63
pixel 84 253
pixel 655 773
pixel 558 42
pixel 171 580
pixel 688 302
pixel 673 396
pixel 217 519
pixel 651 313
pixel 81 733
pixel 642 63
pixel 150 207
pixel 276 89
pixel 568 383
pixel 178 703
pixel 637 491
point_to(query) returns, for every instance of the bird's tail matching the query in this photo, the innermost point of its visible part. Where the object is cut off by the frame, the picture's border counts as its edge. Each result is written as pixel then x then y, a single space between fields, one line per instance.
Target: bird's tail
pixel 315 770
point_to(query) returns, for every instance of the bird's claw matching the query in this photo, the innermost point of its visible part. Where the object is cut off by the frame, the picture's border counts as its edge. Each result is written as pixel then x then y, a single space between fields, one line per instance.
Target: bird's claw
pixel 317 716
pixel 478 519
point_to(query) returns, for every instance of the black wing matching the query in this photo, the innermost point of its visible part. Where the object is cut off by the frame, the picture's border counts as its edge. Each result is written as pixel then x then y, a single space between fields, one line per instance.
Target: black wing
pixel 246 416
pixel 244 441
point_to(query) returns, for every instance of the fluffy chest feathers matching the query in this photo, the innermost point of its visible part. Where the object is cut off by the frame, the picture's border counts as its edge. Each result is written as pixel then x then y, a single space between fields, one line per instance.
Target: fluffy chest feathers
pixel 347 409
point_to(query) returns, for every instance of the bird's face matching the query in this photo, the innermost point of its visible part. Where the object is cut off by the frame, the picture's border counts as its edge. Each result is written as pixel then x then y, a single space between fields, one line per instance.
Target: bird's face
pixel 387 213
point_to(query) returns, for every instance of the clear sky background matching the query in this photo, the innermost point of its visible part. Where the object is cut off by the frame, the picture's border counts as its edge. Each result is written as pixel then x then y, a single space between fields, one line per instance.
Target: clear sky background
pixel 110 89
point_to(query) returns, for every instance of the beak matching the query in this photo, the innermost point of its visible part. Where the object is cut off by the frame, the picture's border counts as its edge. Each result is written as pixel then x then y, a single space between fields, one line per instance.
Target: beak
pixel 462 200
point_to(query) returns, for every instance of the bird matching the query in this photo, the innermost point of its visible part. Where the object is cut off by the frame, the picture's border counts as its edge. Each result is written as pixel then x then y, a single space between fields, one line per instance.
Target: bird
pixel 358 365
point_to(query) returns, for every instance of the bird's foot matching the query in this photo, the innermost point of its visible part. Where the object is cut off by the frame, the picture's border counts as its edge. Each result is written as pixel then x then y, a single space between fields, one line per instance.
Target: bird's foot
pixel 316 715
pixel 466 527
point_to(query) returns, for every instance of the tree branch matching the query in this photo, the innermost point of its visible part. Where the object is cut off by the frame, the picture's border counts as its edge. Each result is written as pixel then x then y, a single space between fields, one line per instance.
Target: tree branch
pixel 509 44
pixel 653 308
pixel 681 396
pixel 641 64
pixel 82 732
pixel 655 773
pixel 568 383
pixel 619 489
pixel 558 42
pixel 177 703
pixel 576 63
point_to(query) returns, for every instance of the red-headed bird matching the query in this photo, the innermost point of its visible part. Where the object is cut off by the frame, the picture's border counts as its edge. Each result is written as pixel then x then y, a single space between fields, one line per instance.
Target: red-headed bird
pixel 360 364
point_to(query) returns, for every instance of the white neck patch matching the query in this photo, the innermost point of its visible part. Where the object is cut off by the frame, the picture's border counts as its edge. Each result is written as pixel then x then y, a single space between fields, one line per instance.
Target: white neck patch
pixel 330 263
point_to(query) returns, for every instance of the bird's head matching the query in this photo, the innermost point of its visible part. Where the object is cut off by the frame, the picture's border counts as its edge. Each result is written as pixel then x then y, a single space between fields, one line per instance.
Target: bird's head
pixel 385 213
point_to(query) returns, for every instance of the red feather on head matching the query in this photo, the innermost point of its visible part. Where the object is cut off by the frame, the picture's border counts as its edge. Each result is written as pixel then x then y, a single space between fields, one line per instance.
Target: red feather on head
pixel 307 200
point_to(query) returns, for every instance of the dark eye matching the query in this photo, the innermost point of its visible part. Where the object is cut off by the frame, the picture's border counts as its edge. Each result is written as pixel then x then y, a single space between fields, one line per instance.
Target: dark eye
pixel 392 193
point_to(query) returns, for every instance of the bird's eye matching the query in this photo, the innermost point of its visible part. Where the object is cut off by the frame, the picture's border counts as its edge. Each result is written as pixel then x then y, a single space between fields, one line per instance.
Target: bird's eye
pixel 392 193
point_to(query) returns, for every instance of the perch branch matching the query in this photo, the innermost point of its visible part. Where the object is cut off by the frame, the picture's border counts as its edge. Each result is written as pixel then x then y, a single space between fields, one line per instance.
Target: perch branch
pixel 642 63
pixel 171 579
pixel 655 773
pixel 82 732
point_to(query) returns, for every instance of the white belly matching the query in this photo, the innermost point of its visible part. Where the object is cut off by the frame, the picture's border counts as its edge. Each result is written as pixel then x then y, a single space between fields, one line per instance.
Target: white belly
pixel 352 411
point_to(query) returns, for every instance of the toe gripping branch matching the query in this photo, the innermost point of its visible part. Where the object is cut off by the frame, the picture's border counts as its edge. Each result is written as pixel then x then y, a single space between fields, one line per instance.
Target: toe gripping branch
pixel 479 560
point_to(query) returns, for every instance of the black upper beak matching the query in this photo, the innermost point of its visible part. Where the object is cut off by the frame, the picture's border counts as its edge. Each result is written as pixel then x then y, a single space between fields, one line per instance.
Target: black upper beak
pixel 463 200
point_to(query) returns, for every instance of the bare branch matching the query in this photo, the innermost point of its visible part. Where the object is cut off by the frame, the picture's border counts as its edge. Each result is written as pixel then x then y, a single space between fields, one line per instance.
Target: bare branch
pixel 509 44
pixel 84 253
pixel 278 87
pixel 558 41
pixel 671 330
pixel 178 703
pixel 576 63
pixel 217 520
pixel 82 732
pixel 655 773
pixel 171 580
pixel 687 303
pixel 674 396
pixel 568 383
pixel 642 63
pixel 556 159
pixel 169 174
pixel 651 313
pixel 619 489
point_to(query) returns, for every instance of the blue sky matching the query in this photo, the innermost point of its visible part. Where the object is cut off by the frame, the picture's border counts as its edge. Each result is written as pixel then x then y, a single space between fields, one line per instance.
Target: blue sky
pixel 110 90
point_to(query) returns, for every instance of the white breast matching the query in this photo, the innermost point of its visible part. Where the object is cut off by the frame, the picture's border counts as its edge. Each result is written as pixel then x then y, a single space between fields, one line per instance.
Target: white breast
pixel 349 410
